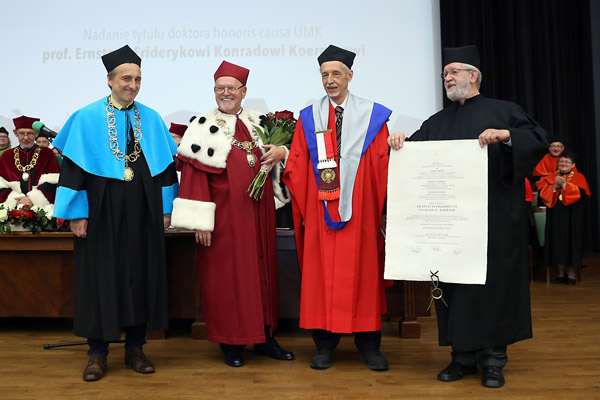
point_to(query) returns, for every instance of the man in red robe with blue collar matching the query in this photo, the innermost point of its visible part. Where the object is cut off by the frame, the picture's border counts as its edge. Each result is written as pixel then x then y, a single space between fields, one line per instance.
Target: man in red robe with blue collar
pixel 337 175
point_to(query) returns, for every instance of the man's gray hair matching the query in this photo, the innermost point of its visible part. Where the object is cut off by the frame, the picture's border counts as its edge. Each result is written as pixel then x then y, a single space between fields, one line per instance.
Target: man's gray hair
pixel 111 75
pixel 470 67
pixel 345 68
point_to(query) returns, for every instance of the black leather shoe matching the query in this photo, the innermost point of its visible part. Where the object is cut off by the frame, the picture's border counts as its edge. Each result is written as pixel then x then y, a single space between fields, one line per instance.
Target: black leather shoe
pixel 234 359
pixel 559 280
pixel 273 350
pixel 375 360
pixel 571 281
pixel 322 359
pixel 455 371
pixel 492 377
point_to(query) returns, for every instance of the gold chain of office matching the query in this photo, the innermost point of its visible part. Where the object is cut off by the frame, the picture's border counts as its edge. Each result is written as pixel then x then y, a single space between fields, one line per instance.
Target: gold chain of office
pixel 29 166
pixel 112 134
pixel 246 146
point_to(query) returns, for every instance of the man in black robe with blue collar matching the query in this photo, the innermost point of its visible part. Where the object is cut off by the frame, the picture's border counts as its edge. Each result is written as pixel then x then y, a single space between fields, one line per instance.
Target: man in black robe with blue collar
pixel 480 321
pixel 117 186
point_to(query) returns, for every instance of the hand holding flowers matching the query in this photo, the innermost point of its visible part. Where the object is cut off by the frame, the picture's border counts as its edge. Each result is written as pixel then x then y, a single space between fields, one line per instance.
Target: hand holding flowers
pixel 275 130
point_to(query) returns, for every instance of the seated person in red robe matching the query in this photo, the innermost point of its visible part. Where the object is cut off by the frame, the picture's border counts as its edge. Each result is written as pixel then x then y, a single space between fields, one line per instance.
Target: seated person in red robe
pixel 549 164
pixel 28 173
pixel 562 193
pixel 42 140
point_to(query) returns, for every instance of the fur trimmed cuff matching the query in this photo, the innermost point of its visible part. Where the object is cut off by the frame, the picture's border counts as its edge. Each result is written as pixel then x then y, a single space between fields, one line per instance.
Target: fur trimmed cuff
pixel 3 183
pixel 11 200
pixel 14 185
pixel 49 178
pixel 37 197
pixel 193 214
pixel 280 191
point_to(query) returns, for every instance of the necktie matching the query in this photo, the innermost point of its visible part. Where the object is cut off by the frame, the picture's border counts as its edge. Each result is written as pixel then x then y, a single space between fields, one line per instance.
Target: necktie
pixel 338 126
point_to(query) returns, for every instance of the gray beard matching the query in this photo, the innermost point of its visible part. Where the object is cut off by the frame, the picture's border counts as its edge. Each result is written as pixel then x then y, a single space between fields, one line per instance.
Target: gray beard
pixel 458 93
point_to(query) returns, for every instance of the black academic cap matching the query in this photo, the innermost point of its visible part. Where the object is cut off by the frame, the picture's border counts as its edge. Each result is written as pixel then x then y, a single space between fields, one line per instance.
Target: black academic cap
pixel 465 55
pixel 570 155
pixel 3 129
pixel 334 53
pixel 557 138
pixel 120 56
pixel 44 134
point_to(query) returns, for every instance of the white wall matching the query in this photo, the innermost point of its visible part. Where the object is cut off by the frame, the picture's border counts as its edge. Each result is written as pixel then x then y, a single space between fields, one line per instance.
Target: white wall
pixel 51 54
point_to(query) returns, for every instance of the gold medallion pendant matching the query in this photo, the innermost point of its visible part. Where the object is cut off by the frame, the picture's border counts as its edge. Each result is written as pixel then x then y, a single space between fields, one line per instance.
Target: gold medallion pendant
pixel 251 159
pixel 328 175
pixel 247 147
pixel 128 174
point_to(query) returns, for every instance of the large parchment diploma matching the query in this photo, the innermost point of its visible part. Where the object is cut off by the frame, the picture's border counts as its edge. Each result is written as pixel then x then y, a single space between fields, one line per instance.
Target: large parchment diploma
pixel 437 212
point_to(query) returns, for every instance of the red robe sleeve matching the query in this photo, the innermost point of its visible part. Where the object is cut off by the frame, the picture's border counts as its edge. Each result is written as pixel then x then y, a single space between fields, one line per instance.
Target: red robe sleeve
pixel 546 166
pixel 296 179
pixel 44 192
pixel 572 191
pixel 193 207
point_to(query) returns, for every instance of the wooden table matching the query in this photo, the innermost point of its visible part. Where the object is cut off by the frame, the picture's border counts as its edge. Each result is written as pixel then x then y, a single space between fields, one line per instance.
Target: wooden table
pixel 36 280
pixel 36 277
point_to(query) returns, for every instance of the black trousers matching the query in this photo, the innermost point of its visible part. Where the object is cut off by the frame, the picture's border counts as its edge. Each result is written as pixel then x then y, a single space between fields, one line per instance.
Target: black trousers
pixel 491 356
pixel 364 341
pixel 135 336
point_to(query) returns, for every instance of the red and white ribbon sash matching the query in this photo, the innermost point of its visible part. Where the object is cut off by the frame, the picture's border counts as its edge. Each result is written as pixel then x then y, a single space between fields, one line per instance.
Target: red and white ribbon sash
pixel 326 145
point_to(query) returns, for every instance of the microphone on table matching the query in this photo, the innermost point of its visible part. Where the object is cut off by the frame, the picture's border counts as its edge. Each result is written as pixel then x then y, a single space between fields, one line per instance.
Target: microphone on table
pixel 39 127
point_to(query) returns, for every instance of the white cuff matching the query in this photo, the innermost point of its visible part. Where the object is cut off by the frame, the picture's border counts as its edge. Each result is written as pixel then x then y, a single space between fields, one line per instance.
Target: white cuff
pixel 11 200
pixel 193 214
pixel 287 154
pixel 37 197
pixel 49 178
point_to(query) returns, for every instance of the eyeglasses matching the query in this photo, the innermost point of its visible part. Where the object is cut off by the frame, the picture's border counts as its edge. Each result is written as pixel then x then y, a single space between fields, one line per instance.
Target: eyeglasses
pixel 230 89
pixel 454 72
pixel 22 134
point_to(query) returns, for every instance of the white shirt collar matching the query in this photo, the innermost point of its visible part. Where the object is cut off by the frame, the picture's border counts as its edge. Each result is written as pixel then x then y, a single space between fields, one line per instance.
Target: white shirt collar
pixel 343 105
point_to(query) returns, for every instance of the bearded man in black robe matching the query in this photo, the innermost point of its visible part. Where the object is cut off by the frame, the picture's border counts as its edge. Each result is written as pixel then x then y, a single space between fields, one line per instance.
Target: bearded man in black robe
pixel 480 321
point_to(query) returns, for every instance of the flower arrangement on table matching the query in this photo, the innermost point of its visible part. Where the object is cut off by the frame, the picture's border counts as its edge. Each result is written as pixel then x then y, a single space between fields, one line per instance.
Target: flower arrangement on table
pixel 276 129
pixel 30 218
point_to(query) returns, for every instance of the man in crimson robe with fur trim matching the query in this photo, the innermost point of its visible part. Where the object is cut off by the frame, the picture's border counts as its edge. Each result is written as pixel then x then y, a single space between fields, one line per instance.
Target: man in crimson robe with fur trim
pixel 220 155
pixel 28 173
pixel 337 175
